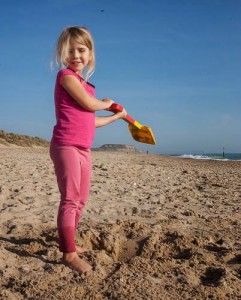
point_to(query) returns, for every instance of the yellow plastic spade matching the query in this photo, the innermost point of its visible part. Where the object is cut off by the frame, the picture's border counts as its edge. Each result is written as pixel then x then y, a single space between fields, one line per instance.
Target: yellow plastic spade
pixel 139 132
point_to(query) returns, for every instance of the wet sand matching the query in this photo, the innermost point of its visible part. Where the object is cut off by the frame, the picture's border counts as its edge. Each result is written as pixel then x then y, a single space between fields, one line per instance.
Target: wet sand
pixel 155 227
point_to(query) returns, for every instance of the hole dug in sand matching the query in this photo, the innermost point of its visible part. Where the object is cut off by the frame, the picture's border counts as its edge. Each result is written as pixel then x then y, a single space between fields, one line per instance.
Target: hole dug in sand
pixel 120 242
pixel 126 240
pixel 118 246
pixel 123 241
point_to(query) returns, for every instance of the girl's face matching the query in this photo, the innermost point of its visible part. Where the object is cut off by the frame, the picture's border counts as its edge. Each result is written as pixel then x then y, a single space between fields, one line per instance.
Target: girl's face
pixel 78 56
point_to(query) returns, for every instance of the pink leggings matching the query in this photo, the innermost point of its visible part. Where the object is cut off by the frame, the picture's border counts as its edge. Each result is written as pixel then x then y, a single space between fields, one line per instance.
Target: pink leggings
pixel 73 171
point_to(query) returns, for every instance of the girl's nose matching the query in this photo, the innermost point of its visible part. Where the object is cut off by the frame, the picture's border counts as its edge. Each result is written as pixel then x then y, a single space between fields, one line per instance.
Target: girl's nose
pixel 75 53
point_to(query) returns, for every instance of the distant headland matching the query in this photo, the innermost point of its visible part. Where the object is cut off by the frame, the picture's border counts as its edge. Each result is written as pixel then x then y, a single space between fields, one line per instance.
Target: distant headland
pixel 118 148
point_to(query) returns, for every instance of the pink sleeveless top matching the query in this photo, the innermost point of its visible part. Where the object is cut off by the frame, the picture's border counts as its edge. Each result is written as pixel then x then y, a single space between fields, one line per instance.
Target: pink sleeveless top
pixel 75 125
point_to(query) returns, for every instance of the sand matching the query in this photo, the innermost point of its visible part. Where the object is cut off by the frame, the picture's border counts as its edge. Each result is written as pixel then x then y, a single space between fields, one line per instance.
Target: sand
pixel 155 227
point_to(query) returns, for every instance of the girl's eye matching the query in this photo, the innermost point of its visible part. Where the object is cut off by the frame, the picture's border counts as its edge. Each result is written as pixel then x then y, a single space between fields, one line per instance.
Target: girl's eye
pixel 81 50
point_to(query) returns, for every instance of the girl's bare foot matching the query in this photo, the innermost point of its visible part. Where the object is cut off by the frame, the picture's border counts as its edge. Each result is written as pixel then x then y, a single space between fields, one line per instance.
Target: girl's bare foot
pixel 72 261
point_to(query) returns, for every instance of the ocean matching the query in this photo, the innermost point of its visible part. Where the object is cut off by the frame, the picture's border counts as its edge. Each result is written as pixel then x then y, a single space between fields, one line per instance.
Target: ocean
pixel 213 156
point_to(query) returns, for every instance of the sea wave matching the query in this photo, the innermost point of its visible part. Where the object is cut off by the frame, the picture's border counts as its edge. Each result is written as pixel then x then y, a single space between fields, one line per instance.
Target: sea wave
pixel 226 157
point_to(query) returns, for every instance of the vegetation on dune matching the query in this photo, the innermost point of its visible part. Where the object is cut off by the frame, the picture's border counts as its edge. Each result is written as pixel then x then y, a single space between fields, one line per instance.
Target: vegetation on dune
pixel 7 138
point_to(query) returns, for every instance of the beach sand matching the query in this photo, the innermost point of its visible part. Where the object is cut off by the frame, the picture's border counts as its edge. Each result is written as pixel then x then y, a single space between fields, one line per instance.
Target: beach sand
pixel 155 227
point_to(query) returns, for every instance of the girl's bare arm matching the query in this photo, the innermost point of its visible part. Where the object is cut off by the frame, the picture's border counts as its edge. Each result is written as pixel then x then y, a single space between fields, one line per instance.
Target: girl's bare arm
pixel 78 93
pixel 102 121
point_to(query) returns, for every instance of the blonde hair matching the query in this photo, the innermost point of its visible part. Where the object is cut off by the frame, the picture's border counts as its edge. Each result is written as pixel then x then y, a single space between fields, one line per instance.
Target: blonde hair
pixel 83 36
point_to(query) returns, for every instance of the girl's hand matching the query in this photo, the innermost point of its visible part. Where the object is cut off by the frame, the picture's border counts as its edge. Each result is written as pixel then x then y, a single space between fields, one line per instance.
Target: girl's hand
pixel 121 114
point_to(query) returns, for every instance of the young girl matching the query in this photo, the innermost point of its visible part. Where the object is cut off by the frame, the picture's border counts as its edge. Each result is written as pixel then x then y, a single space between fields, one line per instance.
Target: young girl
pixel 75 106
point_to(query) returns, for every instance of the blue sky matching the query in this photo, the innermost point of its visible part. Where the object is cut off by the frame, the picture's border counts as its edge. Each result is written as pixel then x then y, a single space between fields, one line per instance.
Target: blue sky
pixel 174 64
